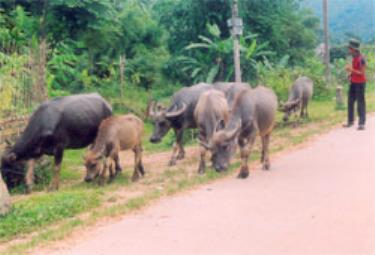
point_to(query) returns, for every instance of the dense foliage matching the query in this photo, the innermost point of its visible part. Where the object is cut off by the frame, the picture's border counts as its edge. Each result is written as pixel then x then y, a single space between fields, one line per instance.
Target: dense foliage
pixel 151 46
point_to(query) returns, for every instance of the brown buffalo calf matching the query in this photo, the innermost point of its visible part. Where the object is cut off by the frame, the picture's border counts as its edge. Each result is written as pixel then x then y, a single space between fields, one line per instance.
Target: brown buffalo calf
pixel 117 133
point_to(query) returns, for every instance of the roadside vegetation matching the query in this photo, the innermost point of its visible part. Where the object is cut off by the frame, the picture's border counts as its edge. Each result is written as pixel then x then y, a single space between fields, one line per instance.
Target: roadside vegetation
pixel 135 51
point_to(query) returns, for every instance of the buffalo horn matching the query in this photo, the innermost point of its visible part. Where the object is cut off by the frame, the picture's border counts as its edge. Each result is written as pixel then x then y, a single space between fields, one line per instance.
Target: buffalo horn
pixel 176 113
pixel 232 133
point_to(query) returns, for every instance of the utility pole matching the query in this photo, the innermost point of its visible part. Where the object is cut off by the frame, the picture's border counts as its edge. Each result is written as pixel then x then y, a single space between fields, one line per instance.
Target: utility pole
pixel 236 24
pixel 339 89
pixel 326 43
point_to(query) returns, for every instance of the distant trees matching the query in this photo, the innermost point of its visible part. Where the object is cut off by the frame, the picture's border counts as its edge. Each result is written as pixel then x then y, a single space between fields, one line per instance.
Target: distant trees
pixel 281 25
pixel 77 45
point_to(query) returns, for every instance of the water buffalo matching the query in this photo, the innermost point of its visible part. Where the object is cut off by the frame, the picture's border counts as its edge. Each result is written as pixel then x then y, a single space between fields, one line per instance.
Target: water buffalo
pixel 178 116
pixel 231 89
pixel 253 112
pixel 211 113
pixel 299 96
pixel 117 133
pixel 69 122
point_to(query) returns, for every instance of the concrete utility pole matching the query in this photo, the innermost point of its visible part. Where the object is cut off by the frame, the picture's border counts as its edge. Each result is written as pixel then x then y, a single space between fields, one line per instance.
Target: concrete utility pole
pixel 236 24
pixel 326 43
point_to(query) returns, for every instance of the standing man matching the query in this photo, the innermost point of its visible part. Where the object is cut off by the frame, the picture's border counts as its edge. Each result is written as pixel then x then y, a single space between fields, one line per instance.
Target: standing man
pixel 357 77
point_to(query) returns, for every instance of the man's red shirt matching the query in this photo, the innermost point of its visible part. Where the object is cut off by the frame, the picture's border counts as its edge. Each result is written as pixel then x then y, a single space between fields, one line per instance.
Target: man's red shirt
pixel 357 63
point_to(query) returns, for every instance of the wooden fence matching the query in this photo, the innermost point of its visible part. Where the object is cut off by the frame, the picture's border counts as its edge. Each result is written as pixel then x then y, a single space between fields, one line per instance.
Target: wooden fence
pixel 11 128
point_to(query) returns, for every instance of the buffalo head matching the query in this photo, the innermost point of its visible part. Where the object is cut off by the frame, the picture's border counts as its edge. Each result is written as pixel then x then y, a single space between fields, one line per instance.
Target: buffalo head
pixel 12 169
pixel 289 107
pixel 222 147
pixel 93 165
pixel 161 119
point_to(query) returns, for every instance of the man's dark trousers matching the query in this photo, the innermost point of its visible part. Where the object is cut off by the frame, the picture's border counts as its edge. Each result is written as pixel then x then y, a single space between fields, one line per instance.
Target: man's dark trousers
pixel 357 93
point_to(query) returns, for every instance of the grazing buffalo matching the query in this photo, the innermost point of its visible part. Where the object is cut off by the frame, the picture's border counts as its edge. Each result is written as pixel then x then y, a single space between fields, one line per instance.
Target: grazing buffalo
pixel 178 116
pixel 69 122
pixel 253 112
pixel 117 133
pixel 211 113
pixel 299 96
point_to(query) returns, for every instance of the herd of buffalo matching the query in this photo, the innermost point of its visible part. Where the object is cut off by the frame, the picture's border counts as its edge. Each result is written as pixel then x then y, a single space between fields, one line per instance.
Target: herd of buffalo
pixel 226 115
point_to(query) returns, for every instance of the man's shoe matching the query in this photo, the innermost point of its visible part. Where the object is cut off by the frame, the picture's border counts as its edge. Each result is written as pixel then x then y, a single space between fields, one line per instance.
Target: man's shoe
pixel 348 125
pixel 361 127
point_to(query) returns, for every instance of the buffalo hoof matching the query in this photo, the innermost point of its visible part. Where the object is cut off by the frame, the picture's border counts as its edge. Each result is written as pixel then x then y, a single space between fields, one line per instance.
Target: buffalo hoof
pixel 180 156
pixel 244 173
pixel 101 180
pixel 135 177
pixel 201 171
pixel 172 163
pixel 266 166
pixel 141 170
pixel 111 178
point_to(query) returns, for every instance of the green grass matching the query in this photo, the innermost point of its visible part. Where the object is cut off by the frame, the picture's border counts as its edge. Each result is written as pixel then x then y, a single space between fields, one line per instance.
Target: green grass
pixel 41 210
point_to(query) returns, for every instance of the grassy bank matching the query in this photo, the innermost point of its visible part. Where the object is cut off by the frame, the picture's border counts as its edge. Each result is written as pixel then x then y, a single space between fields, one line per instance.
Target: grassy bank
pixel 41 218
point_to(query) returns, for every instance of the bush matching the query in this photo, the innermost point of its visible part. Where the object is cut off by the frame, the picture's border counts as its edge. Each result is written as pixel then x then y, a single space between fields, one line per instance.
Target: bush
pixel 280 78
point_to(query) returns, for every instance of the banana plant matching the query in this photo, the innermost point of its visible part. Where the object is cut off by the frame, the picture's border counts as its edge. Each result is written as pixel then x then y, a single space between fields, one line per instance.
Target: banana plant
pixel 211 59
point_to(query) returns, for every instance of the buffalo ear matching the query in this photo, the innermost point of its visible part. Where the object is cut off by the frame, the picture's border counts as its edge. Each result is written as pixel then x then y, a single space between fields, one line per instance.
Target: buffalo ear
pixel 12 157
pixel 230 135
pixel 207 146
pixel 220 125
pixel 281 109
pixel 99 157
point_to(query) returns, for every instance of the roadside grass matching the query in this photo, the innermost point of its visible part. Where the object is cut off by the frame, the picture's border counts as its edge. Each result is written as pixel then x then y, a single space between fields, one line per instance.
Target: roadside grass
pixel 48 217
pixel 43 209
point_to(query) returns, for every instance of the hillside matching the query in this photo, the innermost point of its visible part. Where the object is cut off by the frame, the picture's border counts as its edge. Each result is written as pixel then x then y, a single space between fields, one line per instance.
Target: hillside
pixel 348 18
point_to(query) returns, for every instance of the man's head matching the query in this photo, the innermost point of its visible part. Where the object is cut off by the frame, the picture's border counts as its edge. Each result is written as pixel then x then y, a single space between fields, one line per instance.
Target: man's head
pixel 353 47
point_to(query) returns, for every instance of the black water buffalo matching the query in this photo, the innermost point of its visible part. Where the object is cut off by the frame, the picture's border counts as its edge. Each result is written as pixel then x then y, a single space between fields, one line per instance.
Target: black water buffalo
pixel 69 122
pixel 178 116
pixel 299 96
pixel 253 112
pixel 211 114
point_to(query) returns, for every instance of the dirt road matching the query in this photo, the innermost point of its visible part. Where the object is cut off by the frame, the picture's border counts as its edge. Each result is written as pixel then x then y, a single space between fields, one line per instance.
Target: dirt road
pixel 319 200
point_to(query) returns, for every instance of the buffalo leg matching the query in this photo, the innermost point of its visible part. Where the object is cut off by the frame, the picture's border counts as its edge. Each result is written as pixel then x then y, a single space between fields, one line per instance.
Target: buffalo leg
pixel 59 153
pixel 265 152
pixel 177 148
pixel 306 112
pixel 179 140
pixel 103 172
pixel 29 179
pixel 141 169
pixel 202 162
pixel 245 150
pixel 112 166
pixel 138 166
pixel 117 163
